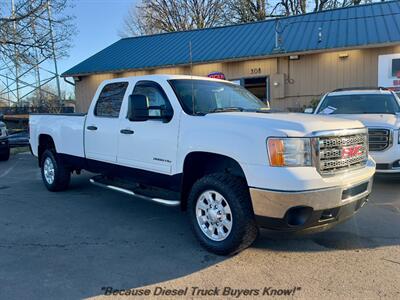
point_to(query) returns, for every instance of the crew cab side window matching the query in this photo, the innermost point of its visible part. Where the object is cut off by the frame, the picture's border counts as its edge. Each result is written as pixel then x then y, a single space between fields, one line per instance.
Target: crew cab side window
pixel 155 95
pixel 110 100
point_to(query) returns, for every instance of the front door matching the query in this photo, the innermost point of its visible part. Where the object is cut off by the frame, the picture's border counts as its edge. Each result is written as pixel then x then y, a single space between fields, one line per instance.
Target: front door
pixel 149 145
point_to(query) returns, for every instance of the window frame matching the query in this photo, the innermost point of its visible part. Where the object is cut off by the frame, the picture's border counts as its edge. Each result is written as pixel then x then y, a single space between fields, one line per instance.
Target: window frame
pixel 154 84
pixel 120 108
pixel 199 114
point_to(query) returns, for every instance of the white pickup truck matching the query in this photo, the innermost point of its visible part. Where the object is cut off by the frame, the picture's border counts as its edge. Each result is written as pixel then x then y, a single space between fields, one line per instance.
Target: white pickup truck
pixel 379 110
pixel 212 148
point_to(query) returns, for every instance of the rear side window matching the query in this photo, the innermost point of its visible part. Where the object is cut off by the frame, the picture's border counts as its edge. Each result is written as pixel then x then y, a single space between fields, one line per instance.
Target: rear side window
pixel 110 100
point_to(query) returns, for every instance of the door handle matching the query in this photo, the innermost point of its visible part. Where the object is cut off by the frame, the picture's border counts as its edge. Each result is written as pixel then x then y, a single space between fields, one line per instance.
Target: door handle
pixel 91 128
pixel 126 131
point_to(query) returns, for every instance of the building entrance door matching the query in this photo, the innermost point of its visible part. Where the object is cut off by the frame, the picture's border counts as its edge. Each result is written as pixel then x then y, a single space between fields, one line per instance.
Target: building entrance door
pixel 259 86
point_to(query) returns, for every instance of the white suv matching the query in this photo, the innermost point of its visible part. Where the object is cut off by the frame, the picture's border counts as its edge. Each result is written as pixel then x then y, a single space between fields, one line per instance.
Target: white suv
pixel 379 110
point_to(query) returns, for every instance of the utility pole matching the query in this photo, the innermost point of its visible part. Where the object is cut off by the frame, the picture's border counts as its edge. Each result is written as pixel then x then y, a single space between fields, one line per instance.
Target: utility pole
pixel 16 55
pixel 54 52
pixel 24 78
pixel 37 69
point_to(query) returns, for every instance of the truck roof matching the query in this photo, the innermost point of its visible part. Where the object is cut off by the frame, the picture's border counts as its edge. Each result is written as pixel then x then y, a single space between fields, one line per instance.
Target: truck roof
pixel 157 77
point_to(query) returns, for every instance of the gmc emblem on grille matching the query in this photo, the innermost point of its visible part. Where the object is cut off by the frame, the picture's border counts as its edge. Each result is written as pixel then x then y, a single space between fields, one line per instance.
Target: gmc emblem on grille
pixel 352 151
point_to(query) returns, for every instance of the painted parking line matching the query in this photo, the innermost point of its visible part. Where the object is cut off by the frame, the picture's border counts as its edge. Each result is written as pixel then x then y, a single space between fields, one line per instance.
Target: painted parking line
pixel 7 171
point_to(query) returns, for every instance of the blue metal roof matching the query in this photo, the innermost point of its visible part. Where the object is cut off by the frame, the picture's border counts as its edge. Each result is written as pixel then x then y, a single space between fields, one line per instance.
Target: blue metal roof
pixel 356 26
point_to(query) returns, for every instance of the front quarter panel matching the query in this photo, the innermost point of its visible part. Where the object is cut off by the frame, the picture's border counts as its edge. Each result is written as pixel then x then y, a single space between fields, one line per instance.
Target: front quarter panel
pixel 242 142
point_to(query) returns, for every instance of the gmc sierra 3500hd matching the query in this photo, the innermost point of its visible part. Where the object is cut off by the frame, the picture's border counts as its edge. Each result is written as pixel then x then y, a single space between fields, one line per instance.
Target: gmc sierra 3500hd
pixel 214 149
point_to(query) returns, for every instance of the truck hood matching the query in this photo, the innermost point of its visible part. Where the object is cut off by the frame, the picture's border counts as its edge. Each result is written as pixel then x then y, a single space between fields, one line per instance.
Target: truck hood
pixel 290 124
pixel 374 120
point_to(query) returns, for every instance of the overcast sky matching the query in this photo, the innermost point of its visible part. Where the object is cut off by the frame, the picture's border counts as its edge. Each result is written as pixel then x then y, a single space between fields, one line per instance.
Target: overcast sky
pixel 98 23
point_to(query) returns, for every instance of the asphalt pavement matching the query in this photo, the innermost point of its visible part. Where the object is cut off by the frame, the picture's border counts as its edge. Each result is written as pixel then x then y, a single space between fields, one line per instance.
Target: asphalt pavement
pixel 87 241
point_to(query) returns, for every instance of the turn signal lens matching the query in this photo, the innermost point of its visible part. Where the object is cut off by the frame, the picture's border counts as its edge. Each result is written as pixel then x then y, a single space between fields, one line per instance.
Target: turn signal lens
pixel 289 152
pixel 276 150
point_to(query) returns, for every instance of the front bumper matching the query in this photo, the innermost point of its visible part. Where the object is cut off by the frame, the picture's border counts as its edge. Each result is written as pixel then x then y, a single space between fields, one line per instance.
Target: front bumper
pixel 387 161
pixel 388 168
pixel 297 211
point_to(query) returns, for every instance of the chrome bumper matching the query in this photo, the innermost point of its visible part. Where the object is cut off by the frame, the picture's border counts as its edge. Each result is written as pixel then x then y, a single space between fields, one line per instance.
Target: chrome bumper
pixel 275 204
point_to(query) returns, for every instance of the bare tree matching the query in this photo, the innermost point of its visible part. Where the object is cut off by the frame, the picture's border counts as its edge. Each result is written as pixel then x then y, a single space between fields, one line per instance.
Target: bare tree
pixel 155 16
pixel 24 29
pixel 290 7
pixel 48 101
pixel 243 11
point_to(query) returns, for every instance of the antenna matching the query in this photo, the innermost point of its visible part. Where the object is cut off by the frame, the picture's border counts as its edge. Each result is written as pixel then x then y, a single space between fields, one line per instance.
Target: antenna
pixel 278 36
pixel 191 74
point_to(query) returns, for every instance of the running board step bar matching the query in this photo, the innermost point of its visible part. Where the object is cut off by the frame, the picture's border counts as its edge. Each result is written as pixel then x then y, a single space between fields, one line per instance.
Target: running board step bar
pixel 131 193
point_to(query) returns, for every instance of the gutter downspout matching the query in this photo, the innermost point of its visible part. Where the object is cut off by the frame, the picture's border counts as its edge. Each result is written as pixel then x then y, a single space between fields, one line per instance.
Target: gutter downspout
pixel 67 81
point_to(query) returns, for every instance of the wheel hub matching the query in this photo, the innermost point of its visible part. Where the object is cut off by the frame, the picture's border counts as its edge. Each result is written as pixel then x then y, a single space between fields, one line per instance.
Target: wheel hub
pixel 48 170
pixel 214 215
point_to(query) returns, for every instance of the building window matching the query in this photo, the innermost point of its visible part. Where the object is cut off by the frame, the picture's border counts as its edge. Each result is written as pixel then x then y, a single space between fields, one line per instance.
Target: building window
pixel 110 100
pixel 396 67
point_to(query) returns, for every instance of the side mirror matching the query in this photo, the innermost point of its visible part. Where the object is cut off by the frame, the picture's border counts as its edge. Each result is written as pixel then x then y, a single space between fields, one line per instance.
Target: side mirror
pixel 308 110
pixel 160 113
pixel 137 108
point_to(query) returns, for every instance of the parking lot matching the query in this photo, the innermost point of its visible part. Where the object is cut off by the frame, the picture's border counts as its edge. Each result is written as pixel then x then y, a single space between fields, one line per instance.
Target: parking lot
pixel 76 243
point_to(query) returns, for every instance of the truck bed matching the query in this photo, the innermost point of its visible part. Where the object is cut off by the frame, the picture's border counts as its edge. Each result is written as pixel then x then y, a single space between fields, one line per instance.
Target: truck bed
pixel 67 131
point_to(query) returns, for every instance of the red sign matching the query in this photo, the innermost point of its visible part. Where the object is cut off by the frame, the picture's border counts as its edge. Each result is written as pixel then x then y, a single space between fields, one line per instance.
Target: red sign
pixel 352 151
pixel 217 75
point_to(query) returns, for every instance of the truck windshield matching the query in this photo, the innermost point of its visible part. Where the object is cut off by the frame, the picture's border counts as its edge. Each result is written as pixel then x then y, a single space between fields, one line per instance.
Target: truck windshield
pixel 360 104
pixel 206 96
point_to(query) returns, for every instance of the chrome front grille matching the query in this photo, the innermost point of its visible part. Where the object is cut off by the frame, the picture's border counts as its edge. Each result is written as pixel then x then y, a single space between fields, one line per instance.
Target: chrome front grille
pixel 379 139
pixel 338 153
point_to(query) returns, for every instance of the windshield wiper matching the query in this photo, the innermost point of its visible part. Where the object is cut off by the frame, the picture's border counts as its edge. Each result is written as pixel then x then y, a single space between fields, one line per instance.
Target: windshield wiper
pixel 226 109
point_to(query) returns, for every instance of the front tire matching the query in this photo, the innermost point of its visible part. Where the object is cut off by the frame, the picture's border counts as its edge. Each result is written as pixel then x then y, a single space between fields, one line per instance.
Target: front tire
pixel 221 214
pixel 56 176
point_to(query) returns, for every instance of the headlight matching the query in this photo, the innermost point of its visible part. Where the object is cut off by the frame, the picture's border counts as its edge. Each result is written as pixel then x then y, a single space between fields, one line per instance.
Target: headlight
pixel 289 152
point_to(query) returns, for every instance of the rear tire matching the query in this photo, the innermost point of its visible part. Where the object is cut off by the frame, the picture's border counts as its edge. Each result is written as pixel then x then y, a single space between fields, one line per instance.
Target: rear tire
pixel 5 155
pixel 225 223
pixel 56 176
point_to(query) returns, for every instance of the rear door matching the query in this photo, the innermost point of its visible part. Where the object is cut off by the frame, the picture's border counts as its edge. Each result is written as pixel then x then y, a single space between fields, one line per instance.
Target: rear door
pixel 149 145
pixel 102 123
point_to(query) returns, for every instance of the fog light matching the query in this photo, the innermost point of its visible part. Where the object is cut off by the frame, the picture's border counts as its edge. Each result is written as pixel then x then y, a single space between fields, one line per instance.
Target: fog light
pixel 327 214
pixel 298 216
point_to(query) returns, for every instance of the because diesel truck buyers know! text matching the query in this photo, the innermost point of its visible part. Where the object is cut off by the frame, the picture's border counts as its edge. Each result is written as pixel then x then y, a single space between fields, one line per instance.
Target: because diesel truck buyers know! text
pixel 215 150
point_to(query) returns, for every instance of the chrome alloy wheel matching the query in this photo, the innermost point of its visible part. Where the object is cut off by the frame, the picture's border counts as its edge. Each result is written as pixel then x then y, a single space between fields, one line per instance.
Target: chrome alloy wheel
pixel 48 170
pixel 214 215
